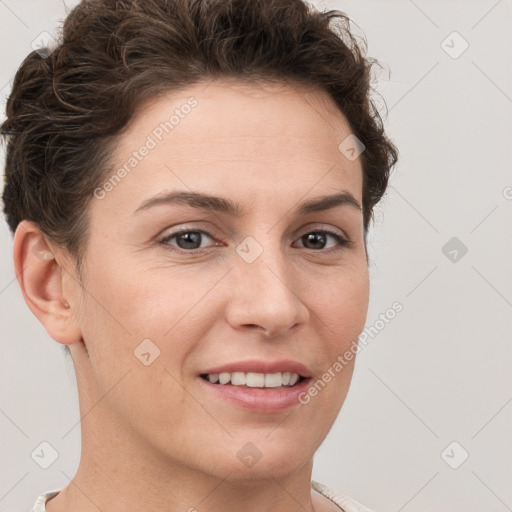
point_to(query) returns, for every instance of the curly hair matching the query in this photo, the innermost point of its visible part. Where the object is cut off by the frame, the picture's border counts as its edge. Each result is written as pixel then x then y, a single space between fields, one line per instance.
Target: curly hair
pixel 68 106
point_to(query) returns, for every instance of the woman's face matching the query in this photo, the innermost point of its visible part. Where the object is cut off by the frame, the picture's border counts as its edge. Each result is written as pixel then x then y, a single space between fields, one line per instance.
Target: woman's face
pixel 245 271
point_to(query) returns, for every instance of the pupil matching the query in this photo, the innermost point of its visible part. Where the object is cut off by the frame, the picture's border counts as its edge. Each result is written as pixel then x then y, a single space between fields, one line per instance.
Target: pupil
pixel 189 240
pixel 317 239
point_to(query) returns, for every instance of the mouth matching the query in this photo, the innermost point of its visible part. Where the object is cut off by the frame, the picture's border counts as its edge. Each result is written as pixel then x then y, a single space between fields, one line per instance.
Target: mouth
pixel 255 393
pixel 254 379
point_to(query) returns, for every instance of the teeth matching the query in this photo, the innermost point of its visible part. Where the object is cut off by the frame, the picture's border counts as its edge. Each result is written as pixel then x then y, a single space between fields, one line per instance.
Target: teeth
pixel 238 379
pixel 255 380
pixel 224 378
pixel 273 380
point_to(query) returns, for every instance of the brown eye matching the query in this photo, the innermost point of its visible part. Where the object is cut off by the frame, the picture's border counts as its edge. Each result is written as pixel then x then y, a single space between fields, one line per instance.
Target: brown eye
pixel 186 241
pixel 318 240
pixel 189 240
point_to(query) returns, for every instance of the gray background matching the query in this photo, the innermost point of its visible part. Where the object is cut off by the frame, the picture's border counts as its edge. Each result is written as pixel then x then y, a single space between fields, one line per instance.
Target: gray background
pixel 440 371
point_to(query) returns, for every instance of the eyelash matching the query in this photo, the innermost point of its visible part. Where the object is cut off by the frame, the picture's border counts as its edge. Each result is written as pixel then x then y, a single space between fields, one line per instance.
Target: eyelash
pixel 343 242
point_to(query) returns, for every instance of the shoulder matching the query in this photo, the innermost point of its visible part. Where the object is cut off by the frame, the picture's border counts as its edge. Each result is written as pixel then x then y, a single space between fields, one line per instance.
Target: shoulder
pixel 346 503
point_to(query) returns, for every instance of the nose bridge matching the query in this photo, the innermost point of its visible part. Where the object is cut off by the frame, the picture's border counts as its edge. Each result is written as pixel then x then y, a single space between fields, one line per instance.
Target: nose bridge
pixel 264 293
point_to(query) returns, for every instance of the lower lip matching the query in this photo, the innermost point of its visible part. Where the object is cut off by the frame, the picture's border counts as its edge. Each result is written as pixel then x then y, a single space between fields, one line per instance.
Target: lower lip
pixel 268 400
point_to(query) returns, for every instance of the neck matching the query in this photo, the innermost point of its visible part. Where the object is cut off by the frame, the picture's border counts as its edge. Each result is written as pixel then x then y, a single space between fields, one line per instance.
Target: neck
pixel 118 477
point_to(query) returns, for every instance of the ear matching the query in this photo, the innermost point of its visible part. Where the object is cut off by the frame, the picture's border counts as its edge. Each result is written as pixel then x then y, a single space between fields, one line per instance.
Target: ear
pixel 42 280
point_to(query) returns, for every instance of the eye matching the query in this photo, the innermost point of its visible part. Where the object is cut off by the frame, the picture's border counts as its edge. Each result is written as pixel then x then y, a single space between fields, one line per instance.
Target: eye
pixel 318 240
pixel 189 241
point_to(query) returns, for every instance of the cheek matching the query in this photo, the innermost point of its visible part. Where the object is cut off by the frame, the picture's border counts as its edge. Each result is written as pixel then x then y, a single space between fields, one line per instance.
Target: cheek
pixel 340 310
pixel 127 327
pixel 342 303
pixel 124 308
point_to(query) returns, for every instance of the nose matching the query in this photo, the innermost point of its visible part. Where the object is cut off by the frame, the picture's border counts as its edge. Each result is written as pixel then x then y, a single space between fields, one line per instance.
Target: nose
pixel 266 296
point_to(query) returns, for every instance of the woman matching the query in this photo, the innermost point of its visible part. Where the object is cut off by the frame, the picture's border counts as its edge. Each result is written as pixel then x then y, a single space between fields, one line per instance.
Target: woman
pixel 190 185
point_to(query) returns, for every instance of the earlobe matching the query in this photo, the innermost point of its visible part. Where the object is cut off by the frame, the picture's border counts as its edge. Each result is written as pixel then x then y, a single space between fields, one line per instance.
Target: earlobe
pixel 41 277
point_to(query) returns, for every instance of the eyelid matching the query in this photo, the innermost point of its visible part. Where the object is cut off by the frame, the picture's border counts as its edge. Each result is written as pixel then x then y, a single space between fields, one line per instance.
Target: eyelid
pixel 173 234
pixel 319 226
pixel 343 241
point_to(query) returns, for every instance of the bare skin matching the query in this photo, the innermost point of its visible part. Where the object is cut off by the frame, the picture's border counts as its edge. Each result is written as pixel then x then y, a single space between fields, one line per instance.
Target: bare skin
pixel 153 436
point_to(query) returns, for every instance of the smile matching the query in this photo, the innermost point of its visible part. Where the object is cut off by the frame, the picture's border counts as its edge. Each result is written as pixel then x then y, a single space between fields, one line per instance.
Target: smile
pixel 253 379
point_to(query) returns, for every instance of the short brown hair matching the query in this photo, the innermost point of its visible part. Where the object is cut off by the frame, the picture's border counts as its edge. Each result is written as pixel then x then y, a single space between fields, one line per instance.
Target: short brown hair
pixel 66 108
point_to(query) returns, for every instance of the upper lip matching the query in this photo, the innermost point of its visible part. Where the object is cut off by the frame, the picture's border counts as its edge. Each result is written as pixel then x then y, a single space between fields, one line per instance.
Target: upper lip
pixel 260 366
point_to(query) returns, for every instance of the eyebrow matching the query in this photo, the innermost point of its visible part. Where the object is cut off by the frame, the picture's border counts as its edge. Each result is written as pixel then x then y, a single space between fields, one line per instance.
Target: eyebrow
pixel 222 205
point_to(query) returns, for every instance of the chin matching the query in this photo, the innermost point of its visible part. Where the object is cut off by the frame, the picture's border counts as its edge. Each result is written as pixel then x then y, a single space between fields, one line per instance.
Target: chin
pixel 267 456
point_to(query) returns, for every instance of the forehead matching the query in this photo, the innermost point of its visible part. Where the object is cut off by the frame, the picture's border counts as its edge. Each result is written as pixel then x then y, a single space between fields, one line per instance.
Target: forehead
pixel 227 137
pixel 230 109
